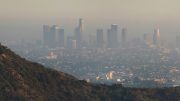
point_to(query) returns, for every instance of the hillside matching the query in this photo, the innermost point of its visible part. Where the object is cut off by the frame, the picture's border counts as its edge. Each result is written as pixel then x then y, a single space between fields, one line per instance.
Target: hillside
pixel 22 80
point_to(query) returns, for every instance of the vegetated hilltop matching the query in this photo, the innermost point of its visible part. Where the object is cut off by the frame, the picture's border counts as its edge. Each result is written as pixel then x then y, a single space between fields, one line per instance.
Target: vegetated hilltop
pixel 22 80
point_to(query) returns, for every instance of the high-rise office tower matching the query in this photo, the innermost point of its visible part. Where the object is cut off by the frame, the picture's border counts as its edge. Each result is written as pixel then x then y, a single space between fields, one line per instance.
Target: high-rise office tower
pixel 124 36
pixel 156 37
pixel 79 33
pixel 78 37
pixel 112 36
pixel 52 38
pixel 46 35
pixel 61 37
pixel 49 35
pixel 81 25
pixel 109 38
pixel 114 32
pixel 100 38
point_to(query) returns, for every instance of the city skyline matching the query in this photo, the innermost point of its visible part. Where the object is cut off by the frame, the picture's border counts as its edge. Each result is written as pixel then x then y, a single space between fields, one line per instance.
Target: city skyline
pixel 112 37
pixel 27 22
pixel 89 50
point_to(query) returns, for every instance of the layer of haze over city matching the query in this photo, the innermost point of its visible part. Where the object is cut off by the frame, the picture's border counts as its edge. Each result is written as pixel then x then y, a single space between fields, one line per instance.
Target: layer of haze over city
pixel 23 19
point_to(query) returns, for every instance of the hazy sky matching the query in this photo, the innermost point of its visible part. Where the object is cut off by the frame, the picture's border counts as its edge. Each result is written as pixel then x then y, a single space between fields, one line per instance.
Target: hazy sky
pixel 24 18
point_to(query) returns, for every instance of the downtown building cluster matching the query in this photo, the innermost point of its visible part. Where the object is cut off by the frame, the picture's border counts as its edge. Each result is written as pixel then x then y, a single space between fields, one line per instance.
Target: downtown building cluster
pixel 53 37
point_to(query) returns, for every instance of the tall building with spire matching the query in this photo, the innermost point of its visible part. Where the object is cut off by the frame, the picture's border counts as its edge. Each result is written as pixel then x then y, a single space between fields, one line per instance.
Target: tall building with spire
pixel 79 33
pixel 81 25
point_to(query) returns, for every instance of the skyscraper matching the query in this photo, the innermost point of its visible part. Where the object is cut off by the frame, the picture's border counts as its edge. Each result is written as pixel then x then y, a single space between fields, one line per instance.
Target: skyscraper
pixel 124 36
pixel 52 37
pixel 79 33
pixel 156 37
pixel 112 36
pixel 109 38
pixel 114 32
pixel 49 35
pixel 81 25
pixel 46 35
pixel 100 38
pixel 61 37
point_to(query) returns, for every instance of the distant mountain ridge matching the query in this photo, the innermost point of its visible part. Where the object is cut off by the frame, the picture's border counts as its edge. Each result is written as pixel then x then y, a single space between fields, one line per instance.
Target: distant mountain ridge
pixel 22 80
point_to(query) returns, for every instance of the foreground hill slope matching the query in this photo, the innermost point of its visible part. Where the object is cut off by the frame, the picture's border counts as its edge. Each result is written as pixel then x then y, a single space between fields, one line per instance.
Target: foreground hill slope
pixel 22 80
